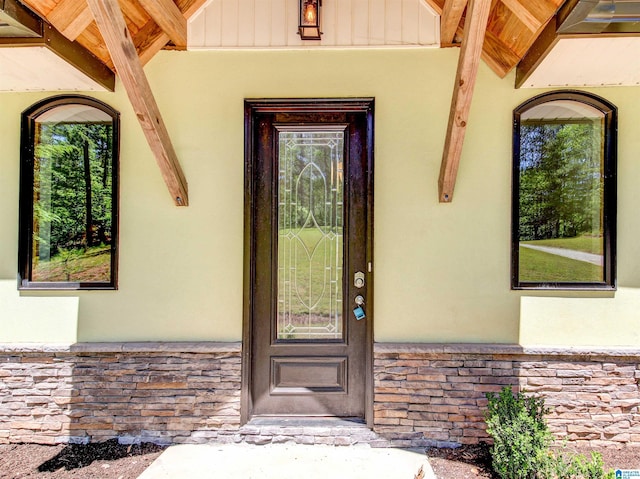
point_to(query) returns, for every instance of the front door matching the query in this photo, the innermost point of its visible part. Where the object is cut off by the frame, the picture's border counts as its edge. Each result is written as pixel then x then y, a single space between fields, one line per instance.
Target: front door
pixel 308 282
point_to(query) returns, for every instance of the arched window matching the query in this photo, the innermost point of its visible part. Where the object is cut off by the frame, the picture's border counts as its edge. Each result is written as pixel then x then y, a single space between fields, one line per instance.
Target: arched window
pixel 69 195
pixel 564 192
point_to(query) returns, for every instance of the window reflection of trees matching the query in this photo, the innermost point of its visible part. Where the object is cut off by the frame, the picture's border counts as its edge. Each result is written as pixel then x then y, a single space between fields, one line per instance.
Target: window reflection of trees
pixel 564 193
pixel 310 204
pixel 68 221
pixel 561 183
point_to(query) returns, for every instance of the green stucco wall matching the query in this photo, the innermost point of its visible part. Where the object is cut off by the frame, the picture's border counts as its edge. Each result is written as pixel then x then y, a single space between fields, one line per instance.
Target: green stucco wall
pixel 441 270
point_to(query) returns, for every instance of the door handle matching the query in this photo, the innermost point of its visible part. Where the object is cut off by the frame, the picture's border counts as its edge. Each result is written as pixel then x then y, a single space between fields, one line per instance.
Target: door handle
pixel 359 300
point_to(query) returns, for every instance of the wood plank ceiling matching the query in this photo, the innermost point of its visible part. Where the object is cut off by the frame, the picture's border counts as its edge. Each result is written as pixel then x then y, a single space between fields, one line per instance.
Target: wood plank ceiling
pixel 501 35
pixel 513 25
pixel 152 24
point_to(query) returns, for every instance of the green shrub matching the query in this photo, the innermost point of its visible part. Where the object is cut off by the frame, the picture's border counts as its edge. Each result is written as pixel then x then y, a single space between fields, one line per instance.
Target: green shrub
pixel 521 441
pixel 520 434
pixel 563 466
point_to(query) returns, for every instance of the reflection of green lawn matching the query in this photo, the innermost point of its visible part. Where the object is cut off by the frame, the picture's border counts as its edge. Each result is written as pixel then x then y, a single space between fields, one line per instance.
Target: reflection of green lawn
pixel 92 264
pixel 310 261
pixel 538 266
pixel 588 244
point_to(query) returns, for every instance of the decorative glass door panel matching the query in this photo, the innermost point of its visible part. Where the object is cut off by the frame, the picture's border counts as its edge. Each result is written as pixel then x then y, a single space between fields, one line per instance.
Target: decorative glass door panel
pixel 308 259
pixel 310 234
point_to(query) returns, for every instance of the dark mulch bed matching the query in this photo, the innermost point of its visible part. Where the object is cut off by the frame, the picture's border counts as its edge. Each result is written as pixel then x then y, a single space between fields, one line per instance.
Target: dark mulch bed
pixel 105 460
pixel 464 462
pixel 110 460
pixel 474 461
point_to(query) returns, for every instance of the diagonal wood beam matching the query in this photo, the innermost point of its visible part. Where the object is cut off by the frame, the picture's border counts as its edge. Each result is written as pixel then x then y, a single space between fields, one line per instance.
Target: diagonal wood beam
pixel 450 19
pixel 117 37
pixel 71 18
pixel 169 17
pixel 523 13
pixel 151 39
pixel 436 5
pixel 498 56
pixel 475 26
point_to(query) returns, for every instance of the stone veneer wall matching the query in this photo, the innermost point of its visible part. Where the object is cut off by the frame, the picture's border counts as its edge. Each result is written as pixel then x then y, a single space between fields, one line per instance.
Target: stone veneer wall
pixel 162 393
pixel 425 395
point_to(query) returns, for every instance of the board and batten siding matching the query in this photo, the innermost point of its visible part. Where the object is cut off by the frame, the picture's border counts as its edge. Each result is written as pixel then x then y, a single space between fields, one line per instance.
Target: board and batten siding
pixel 345 23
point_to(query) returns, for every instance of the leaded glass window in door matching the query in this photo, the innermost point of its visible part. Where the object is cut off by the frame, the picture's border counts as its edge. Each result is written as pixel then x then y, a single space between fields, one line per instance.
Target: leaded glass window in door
pixel 310 235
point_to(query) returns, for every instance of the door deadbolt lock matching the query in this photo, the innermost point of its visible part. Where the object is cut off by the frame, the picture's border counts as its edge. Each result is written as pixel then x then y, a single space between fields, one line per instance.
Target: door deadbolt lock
pixel 358 279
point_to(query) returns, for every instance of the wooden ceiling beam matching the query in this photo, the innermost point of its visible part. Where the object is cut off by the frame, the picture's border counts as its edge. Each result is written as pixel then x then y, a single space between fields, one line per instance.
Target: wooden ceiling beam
pixel 520 10
pixel 71 18
pixel 151 38
pixel 475 26
pixel 436 5
pixel 450 19
pixel 118 40
pixel 170 19
pixel 500 58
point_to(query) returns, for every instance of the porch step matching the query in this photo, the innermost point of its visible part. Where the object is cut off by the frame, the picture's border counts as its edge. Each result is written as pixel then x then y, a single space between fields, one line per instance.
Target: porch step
pixel 287 461
pixel 328 431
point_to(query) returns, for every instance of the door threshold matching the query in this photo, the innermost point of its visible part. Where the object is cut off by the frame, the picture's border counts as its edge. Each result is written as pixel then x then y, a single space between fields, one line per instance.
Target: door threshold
pixel 309 430
pixel 307 421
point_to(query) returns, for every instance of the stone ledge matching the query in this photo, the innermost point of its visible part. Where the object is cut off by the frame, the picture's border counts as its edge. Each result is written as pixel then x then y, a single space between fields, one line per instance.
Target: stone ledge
pixel 236 347
pixel 202 347
pixel 504 349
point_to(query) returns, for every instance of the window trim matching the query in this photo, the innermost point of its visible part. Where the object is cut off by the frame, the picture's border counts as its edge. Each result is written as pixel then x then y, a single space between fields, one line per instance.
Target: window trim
pixel 609 207
pixel 25 222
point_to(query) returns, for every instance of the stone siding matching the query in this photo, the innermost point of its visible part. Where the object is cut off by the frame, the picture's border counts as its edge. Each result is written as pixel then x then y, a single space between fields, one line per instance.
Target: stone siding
pixel 424 395
pixel 98 392
pixel 434 394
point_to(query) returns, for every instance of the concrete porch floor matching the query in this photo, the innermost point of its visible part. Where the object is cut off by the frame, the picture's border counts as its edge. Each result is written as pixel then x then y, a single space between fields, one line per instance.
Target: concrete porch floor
pixel 287 461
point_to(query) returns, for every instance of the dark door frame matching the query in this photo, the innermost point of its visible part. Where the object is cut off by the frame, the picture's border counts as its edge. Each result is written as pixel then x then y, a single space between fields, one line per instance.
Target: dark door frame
pixel 252 108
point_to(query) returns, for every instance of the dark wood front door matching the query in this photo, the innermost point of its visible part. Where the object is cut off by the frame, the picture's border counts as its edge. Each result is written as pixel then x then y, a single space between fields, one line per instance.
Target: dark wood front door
pixel 308 225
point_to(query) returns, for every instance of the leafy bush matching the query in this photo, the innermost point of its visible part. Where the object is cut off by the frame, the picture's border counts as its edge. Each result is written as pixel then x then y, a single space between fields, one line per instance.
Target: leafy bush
pixel 520 434
pixel 561 466
pixel 522 440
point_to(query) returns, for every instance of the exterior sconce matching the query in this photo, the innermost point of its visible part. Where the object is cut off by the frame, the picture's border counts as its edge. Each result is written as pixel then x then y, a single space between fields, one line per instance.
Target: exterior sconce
pixel 309 26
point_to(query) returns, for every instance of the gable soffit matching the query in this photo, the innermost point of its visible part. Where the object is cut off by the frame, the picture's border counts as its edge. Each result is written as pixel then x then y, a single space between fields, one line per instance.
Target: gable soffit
pixel 345 23
pixel 513 25
pixel 588 43
pixel 513 31
pixel 35 57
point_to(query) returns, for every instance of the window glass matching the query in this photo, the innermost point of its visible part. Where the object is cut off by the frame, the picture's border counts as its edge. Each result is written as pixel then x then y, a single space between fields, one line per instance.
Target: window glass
pixel 564 192
pixel 69 195
pixel 310 238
